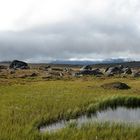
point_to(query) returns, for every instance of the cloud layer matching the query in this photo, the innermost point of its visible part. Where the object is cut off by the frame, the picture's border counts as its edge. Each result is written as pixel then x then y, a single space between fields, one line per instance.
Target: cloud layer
pixel 92 29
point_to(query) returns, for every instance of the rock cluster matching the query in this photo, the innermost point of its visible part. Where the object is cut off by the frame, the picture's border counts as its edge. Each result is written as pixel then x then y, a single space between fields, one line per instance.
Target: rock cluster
pixel 110 71
pixel 87 70
pixel 118 70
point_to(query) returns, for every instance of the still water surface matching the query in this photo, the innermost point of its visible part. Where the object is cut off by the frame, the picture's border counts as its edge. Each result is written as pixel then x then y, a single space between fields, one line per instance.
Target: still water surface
pixel 120 114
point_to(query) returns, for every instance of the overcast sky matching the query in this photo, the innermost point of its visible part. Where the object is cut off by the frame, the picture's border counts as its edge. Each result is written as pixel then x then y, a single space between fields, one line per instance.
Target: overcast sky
pixel 44 30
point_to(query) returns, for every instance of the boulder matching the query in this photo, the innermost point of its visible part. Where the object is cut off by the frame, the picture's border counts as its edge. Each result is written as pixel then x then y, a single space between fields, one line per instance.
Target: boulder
pixel 66 69
pixel 33 74
pixel 115 85
pixel 113 70
pixel 16 64
pixel 109 74
pixel 47 67
pixel 118 70
pixel 95 72
pixel 86 67
pixel 120 66
pixel 127 70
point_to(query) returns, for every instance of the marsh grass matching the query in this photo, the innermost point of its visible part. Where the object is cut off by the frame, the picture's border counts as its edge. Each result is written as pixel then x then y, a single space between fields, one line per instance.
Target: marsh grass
pixel 29 103
pixel 98 131
pixel 114 102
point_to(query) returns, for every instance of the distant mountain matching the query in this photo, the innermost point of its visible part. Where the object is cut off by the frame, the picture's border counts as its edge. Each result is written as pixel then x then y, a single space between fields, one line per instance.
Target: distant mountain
pixel 5 62
pixel 75 62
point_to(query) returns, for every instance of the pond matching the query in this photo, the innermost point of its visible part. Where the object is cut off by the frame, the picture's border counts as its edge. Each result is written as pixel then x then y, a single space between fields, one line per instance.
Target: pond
pixel 120 115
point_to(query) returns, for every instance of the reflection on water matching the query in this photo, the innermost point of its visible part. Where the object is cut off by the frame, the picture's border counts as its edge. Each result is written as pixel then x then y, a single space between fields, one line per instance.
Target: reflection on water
pixel 120 114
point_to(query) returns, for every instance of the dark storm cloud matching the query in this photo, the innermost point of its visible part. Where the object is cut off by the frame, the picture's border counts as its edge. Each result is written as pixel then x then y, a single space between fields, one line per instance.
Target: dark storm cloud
pixel 84 38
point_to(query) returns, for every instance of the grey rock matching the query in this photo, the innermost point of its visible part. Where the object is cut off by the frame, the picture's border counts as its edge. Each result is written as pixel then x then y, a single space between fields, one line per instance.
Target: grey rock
pixel 16 64
pixel 116 85
pixel 95 72
pixel 86 67
pixel 127 70
pixel 118 70
pixel 113 70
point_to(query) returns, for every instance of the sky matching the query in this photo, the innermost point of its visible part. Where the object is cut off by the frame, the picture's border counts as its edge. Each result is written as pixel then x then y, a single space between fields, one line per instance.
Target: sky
pixel 46 30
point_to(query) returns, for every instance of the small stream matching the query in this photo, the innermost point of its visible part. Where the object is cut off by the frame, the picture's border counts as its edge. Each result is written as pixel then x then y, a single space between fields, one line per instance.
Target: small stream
pixel 120 114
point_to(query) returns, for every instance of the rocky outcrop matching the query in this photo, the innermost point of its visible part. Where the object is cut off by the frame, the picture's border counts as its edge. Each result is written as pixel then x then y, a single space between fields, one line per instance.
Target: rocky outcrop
pixel 16 64
pixel 118 70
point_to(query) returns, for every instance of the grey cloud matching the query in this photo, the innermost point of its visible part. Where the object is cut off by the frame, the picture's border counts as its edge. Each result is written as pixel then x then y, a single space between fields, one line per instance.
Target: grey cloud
pixel 88 37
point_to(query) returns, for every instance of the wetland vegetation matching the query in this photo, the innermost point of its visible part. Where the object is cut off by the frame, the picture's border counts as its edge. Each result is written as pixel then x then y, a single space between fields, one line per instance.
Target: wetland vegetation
pixel 32 102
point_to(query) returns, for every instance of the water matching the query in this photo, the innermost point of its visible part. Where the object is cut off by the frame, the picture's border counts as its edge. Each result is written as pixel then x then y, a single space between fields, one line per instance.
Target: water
pixel 120 115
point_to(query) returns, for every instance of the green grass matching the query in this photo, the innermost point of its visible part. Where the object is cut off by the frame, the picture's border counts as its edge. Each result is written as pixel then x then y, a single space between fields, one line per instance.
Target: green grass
pixel 25 106
pixel 97 131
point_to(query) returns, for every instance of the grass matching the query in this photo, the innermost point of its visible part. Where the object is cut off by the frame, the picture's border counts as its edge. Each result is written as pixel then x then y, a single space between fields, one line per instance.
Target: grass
pixel 97 131
pixel 29 104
